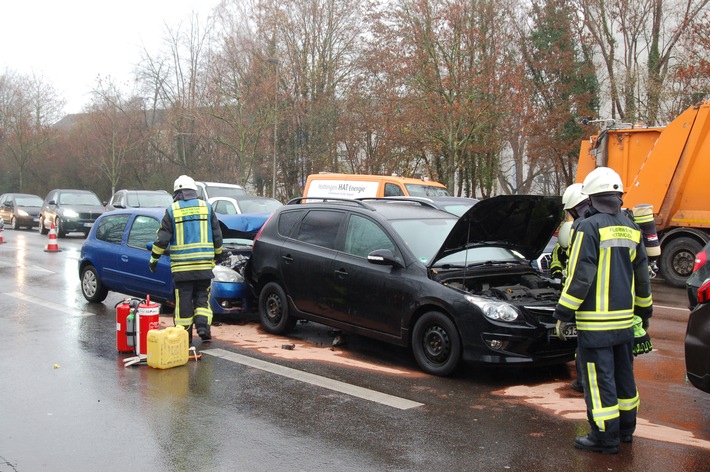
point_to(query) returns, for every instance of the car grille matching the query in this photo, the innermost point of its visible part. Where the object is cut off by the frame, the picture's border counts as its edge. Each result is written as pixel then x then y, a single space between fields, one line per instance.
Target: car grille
pixel 542 314
pixel 89 215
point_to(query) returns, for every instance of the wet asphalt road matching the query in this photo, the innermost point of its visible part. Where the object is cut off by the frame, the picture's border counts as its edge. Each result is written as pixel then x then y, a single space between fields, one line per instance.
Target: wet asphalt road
pixel 67 403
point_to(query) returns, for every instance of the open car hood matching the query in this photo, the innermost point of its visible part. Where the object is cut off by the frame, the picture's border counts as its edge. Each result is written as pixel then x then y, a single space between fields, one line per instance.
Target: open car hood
pixel 242 226
pixel 524 223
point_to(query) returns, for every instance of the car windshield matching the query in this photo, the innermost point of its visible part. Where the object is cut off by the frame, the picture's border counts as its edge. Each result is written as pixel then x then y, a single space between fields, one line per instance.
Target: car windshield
pixel 28 201
pixel 424 237
pixel 149 200
pixel 481 255
pixel 419 190
pixel 258 205
pixel 224 191
pixel 78 199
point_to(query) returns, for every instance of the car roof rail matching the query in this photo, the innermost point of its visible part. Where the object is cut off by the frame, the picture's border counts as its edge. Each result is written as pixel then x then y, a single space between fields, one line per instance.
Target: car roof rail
pixel 423 201
pixel 351 201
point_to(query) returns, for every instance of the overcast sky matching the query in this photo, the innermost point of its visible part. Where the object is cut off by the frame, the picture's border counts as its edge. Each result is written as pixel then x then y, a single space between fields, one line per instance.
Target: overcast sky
pixel 71 42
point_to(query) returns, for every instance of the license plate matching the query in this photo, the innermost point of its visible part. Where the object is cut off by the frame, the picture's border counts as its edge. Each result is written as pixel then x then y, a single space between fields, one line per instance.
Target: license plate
pixel 570 331
pixel 88 225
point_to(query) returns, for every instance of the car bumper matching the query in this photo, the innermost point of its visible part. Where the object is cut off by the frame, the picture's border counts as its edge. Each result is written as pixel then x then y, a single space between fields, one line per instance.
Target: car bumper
pixel 76 225
pixel 229 297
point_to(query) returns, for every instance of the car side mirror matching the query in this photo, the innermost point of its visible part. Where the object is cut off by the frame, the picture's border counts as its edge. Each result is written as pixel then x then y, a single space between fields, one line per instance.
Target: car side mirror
pixel 383 257
pixel 51 202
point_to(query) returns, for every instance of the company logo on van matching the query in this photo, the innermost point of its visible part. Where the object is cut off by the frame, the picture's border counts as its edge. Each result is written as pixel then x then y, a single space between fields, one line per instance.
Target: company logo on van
pixel 340 188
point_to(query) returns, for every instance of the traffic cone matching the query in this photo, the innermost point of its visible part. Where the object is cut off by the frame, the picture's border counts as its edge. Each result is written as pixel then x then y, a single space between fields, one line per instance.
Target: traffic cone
pixel 2 241
pixel 52 245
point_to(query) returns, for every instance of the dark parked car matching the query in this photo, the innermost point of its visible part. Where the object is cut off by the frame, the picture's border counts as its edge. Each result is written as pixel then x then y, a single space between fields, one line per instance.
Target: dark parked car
pixel 70 210
pixel 701 272
pixel 697 340
pixel 115 258
pixel 20 209
pixel 451 288
pixel 245 204
pixel 139 199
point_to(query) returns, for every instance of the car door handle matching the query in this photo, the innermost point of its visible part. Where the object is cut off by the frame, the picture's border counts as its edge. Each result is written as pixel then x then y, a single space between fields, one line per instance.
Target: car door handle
pixel 124 258
pixel 341 273
pixel 287 258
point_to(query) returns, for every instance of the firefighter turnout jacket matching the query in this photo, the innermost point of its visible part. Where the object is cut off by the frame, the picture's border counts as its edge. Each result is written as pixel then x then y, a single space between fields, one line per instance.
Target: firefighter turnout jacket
pixel 192 230
pixel 607 280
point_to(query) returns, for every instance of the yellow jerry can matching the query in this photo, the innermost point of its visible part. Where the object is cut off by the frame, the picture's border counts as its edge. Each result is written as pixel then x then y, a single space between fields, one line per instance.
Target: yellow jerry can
pixel 168 347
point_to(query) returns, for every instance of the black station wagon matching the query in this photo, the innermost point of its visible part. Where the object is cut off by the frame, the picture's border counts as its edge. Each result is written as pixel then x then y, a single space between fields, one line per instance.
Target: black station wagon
pixel 451 288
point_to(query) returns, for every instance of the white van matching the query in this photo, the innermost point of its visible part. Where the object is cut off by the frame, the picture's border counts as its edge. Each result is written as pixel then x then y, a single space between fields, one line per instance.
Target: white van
pixel 367 186
pixel 207 190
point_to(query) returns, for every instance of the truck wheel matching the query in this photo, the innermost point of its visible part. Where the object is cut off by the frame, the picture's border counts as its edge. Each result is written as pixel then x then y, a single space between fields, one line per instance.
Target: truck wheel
pixel 677 259
pixel 273 310
pixel 436 344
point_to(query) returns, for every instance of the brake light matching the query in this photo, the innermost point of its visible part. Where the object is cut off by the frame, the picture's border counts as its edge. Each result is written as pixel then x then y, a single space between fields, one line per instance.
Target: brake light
pixel 260 230
pixel 704 292
pixel 700 259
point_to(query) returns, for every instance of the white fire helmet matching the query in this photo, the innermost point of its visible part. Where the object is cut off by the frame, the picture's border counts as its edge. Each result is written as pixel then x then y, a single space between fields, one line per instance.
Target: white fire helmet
pixel 184 182
pixel 564 233
pixel 602 180
pixel 573 196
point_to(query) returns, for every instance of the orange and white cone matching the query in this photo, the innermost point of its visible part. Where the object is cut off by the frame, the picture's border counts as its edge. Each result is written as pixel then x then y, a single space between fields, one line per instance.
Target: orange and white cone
pixel 2 241
pixel 52 245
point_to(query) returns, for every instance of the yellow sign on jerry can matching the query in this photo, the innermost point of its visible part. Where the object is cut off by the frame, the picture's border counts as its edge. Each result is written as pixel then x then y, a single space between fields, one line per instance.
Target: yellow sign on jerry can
pixel 168 347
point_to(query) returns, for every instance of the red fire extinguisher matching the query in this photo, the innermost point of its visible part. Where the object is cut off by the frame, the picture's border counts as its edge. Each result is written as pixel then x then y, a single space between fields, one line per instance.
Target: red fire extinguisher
pixel 147 318
pixel 125 324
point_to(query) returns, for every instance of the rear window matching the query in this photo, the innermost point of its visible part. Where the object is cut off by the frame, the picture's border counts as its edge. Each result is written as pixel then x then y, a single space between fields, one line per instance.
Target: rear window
pixel 220 191
pixel 320 227
pixel 287 221
pixel 111 228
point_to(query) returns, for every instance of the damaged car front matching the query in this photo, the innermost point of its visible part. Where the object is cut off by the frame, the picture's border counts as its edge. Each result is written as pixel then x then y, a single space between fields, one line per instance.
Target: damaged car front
pixel 486 260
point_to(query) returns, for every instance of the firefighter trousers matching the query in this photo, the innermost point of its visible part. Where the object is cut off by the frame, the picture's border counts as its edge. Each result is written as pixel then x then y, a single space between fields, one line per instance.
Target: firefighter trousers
pixel 610 391
pixel 192 303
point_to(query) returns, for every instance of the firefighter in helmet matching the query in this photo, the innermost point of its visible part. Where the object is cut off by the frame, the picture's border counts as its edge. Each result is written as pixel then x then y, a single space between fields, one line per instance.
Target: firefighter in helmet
pixel 575 204
pixel 192 230
pixel 607 284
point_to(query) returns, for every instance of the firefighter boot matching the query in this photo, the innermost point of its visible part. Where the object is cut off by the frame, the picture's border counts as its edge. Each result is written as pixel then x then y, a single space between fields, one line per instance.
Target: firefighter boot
pixel 588 443
pixel 203 330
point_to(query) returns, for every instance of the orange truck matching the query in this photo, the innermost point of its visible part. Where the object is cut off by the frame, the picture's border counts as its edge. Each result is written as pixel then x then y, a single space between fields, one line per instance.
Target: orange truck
pixel 668 168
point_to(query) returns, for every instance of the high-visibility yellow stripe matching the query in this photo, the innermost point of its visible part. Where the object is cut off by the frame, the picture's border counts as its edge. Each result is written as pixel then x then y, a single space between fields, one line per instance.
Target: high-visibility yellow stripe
pixel 628 404
pixel 603 271
pixel 610 233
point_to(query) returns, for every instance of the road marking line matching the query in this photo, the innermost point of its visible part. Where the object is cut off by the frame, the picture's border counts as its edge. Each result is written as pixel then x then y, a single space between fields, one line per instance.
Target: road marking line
pixel 672 308
pixel 50 305
pixel 342 387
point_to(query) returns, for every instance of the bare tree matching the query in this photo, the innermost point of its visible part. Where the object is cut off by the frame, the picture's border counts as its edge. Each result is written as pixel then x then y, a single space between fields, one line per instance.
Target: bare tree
pixel 29 106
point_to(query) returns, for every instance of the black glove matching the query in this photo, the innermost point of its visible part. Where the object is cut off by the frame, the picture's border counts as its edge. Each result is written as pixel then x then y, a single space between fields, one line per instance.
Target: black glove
pixel 153 264
pixel 646 323
pixel 642 345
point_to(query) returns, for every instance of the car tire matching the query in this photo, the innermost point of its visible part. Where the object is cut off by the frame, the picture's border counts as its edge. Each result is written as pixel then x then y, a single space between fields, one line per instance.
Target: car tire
pixel 42 230
pixel 13 224
pixel 677 260
pixel 91 286
pixel 273 310
pixel 436 344
pixel 60 231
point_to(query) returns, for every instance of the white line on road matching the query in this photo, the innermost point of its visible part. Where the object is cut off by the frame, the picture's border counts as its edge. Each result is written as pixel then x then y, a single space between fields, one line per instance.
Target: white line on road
pixel 672 308
pixel 50 305
pixel 342 387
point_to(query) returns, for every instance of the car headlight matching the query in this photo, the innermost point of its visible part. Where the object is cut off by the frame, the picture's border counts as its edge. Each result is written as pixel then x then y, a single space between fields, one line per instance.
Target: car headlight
pixel 22 213
pixel 70 214
pixel 225 274
pixel 499 311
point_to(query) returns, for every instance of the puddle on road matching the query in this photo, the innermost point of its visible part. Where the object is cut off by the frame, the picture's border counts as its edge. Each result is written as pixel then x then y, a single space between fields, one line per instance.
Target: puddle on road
pixel 548 397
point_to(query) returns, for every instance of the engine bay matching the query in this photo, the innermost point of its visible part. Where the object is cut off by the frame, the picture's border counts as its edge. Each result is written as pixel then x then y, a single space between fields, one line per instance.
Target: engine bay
pixel 514 288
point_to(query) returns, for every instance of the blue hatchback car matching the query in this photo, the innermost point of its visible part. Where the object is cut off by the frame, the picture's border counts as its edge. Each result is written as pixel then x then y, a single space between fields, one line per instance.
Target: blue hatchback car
pixel 116 252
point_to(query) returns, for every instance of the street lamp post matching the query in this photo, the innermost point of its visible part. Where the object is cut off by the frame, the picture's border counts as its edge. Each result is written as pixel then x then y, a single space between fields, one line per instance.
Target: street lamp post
pixel 276 62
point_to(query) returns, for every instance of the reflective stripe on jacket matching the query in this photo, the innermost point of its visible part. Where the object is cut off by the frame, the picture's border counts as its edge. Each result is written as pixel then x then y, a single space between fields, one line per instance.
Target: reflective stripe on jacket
pixel 607 280
pixel 191 246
